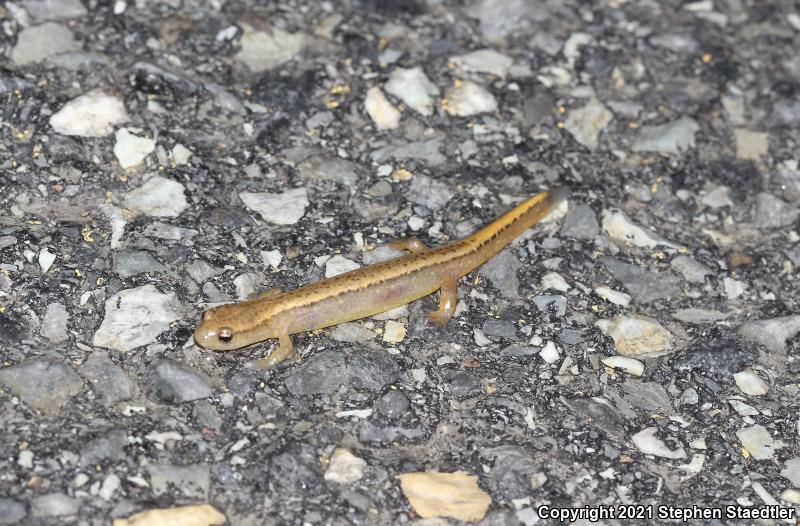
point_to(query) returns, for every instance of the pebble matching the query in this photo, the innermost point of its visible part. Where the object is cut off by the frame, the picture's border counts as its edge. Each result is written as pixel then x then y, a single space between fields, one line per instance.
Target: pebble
pixel 462 384
pixel 429 192
pixel 110 383
pixel 93 114
pixel 414 88
pixel 322 373
pixel 351 333
pixel 129 263
pixel 117 220
pixel 436 494
pixel 700 316
pixel 773 212
pixel 620 228
pixel 648 443
pixel 54 505
pixel 36 43
pixel 480 338
pixel 613 296
pixel 501 270
pixel 158 197
pixel 426 151
pixel 54 323
pixel 750 145
pixel 486 61
pixel 788 179
pixel 131 150
pixel 42 383
pixel 637 336
pixel 54 9
pixel 280 209
pixel 758 442
pixel 339 264
pixel 771 333
pixel 109 487
pixel 467 98
pixel 792 471
pixel 200 270
pixel 716 198
pixel 549 353
pixel 733 287
pixel 643 286
pixel 25 459
pixel 333 169
pixel 673 137
pixel 629 365
pixel 193 515
pixel 586 123
pixel 136 317
pixel 380 110
pixel 555 304
pixel 11 511
pixel 394 332
pixel 791 496
pixel 174 382
pixel 266 50
pixel 46 260
pixel 580 223
pixel 692 270
pixel 180 154
pixel 721 355
pixel 344 467
pixel 190 480
pixel 555 281
pixel 393 404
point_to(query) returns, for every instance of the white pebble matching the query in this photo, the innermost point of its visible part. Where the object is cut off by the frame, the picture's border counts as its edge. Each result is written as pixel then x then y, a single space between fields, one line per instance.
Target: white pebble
pixel 613 296
pixel 181 154
pixel 281 209
pixel 549 352
pixel 339 264
pixel 554 280
pixel 480 338
pixel 46 260
pixel 271 257
pixel 394 332
pixel 629 365
pixel 131 149
pixel 414 88
pixel 93 114
pixel 467 99
pixel 159 197
pixel 416 223
pixel 648 443
pixel 380 110
pixel 749 382
pixel 344 467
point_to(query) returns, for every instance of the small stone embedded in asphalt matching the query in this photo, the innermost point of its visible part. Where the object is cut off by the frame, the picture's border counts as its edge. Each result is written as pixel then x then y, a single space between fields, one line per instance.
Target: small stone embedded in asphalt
pixel 580 223
pixel 54 323
pixel 174 382
pixel 613 296
pixel 371 370
pixel 351 333
pixel 629 365
pixel 344 467
pixel 54 9
pixel 750 144
pixel 586 123
pixel 692 270
pixel 722 354
pixel 644 286
pixel 555 281
pixel 758 442
pixel 129 263
pixel 482 61
pixel 339 264
pixel 648 443
pixel 414 88
pixel 673 137
pixel 131 149
pixel 192 480
pixel 11 511
pixel 621 228
pixel 369 433
pixel 771 333
pixel 93 114
pixel 192 515
pixel 700 316
pixel 46 260
pixel 42 383
pixel 54 505
pixel 468 98
pixel 281 209
pixel 329 169
pixel 773 212
pixel 500 329
pixel 136 317
pixel 792 471
pixel 322 373
pixel 380 110
pixel 463 384
pixel 263 50
pixel 158 197
pixel 394 404
pixel 555 304
pixel 502 270
pixel 107 446
pixel 637 336
pixel 435 494
pixel 750 383
pixel 36 43
pixel 108 380
pixel 427 152
pixel 429 192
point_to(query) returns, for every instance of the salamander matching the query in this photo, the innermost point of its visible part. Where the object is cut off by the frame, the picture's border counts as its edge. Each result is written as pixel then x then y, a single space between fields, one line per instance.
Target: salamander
pixel 369 290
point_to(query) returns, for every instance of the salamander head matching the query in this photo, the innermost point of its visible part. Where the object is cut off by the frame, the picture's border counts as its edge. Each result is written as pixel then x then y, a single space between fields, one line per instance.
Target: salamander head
pixel 228 327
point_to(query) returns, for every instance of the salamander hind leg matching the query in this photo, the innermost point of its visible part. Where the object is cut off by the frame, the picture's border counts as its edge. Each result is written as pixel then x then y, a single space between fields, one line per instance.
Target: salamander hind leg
pixel 412 244
pixel 448 297
pixel 285 350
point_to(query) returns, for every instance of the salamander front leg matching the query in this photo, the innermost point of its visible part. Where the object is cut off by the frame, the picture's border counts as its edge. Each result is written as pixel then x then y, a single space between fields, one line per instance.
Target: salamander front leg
pixel 412 244
pixel 285 350
pixel 448 296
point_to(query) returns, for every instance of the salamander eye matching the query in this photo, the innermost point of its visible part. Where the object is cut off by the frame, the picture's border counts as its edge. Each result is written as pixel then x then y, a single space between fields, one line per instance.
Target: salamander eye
pixel 225 335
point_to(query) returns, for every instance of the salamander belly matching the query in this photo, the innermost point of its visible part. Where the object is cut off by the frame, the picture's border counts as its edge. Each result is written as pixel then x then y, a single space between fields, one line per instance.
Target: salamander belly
pixel 361 302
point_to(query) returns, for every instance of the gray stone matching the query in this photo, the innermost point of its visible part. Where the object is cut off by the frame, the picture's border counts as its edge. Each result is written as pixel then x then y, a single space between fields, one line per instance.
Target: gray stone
pixel 586 123
pixel 158 197
pixel 680 42
pixel 7 241
pixel 42 383
pixel 771 333
pixel 54 505
pixel 699 316
pixel 495 328
pixel 789 182
pixel 206 415
pixel 297 469
pixel 673 137
pixel 192 480
pixel 200 270
pixel 369 433
pixel 172 381
pixel 570 336
pixel 54 9
pixel 598 412
pixel 580 223
pixel 649 396
pixel 322 373
pixel 692 270
pixel 110 383
pixel 54 323
pixel 772 212
pixel 10 330
pixel 511 471
pixel 162 230
pixel 463 384
pixel 108 446
pixel 518 351
pixel 266 49
pixel 372 370
pixel 785 113
pixel 129 263
pixel 37 43
pixel 427 152
pixel 555 304
pixel 644 286
pixel 501 270
pixel 394 404
pixel 352 333
pixel 329 169
pixel 11 511
pixel 792 471
pixel 429 192
pixel 722 355
pixel 500 19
